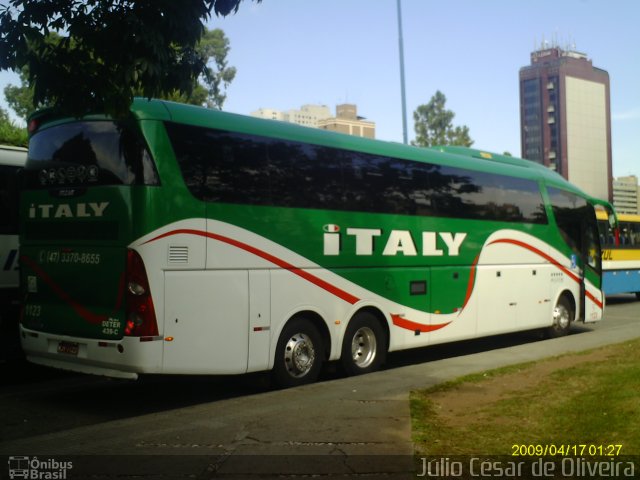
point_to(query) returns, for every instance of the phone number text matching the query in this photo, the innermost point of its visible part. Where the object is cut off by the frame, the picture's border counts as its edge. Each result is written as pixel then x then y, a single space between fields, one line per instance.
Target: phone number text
pixel 83 258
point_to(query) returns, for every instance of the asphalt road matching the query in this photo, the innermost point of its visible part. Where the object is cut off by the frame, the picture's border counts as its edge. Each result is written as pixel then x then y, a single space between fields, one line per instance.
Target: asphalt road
pixel 238 427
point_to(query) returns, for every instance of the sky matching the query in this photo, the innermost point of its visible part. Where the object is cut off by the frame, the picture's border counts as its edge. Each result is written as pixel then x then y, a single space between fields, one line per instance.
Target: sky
pixel 294 52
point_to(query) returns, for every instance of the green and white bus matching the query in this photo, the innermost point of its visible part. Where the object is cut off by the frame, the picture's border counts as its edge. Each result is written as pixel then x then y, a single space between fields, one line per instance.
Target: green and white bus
pixel 190 241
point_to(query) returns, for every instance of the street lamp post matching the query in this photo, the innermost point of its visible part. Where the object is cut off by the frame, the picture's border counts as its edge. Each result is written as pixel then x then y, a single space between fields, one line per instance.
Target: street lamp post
pixel 402 92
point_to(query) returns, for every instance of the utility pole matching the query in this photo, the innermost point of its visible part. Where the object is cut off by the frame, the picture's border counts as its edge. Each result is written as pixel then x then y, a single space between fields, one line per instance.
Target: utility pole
pixel 402 93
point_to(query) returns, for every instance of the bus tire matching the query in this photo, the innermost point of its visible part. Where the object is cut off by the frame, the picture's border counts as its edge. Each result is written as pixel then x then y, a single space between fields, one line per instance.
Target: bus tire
pixel 299 354
pixel 364 347
pixel 563 315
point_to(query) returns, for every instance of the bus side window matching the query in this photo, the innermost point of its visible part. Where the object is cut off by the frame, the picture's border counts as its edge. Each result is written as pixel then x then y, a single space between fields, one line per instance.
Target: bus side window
pixel 634 234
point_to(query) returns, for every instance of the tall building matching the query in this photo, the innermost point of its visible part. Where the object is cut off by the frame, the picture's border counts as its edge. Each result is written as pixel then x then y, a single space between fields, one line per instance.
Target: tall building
pixel 319 116
pixel 565 119
pixel 347 121
pixel 269 114
pixel 307 115
pixel 626 194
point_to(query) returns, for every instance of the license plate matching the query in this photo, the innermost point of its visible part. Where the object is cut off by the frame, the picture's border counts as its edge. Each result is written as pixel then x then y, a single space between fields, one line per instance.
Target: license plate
pixel 68 348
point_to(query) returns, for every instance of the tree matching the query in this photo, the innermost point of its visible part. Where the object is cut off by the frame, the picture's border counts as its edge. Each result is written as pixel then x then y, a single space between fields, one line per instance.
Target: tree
pixel 20 98
pixel 113 49
pixel 433 125
pixel 214 46
pixel 10 134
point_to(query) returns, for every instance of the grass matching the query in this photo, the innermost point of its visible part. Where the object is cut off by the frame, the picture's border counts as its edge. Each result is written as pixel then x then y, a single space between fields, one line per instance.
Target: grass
pixel 592 398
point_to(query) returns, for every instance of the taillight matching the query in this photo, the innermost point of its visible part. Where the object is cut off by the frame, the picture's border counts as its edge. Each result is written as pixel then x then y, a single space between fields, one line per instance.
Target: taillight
pixel 141 316
pixel 32 126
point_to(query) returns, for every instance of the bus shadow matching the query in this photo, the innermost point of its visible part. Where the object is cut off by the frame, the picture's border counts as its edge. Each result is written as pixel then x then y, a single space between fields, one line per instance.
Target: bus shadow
pixel 469 347
pixel 45 400
pixel 621 299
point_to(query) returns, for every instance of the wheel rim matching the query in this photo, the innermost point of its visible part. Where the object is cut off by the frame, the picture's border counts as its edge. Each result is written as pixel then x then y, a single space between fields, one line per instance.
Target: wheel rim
pixel 299 355
pixel 561 318
pixel 363 347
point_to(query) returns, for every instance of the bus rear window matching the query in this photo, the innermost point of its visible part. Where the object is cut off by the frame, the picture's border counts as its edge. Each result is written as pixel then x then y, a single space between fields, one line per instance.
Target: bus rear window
pixel 85 154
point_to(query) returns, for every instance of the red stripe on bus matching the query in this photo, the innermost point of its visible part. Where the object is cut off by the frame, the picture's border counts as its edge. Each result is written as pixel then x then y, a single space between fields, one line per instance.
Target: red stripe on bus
pixel 64 296
pixel 593 299
pixel 568 272
pixel 472 281
pixel 347 297
pixel 398 321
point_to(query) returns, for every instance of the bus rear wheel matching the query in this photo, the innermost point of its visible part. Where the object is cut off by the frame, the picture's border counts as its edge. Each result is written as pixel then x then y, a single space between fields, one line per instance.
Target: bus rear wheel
pixel 364 346
pixel 299 354
pixel 562 318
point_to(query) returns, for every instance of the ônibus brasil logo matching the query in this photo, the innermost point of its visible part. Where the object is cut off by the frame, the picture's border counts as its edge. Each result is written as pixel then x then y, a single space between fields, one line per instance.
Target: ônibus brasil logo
pixel 34 468
pixel 429 244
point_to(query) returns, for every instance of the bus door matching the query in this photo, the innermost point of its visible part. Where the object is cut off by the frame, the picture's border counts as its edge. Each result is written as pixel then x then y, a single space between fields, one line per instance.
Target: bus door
pixel 576 222
pixel 592 266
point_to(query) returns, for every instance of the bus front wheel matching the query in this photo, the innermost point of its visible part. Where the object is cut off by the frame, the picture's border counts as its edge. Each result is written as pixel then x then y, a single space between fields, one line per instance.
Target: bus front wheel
pixel 562 318
pixel 364 346
pixel 299 354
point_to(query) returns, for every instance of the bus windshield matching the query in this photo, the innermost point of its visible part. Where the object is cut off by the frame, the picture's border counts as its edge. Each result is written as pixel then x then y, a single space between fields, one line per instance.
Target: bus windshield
pixel 576 220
